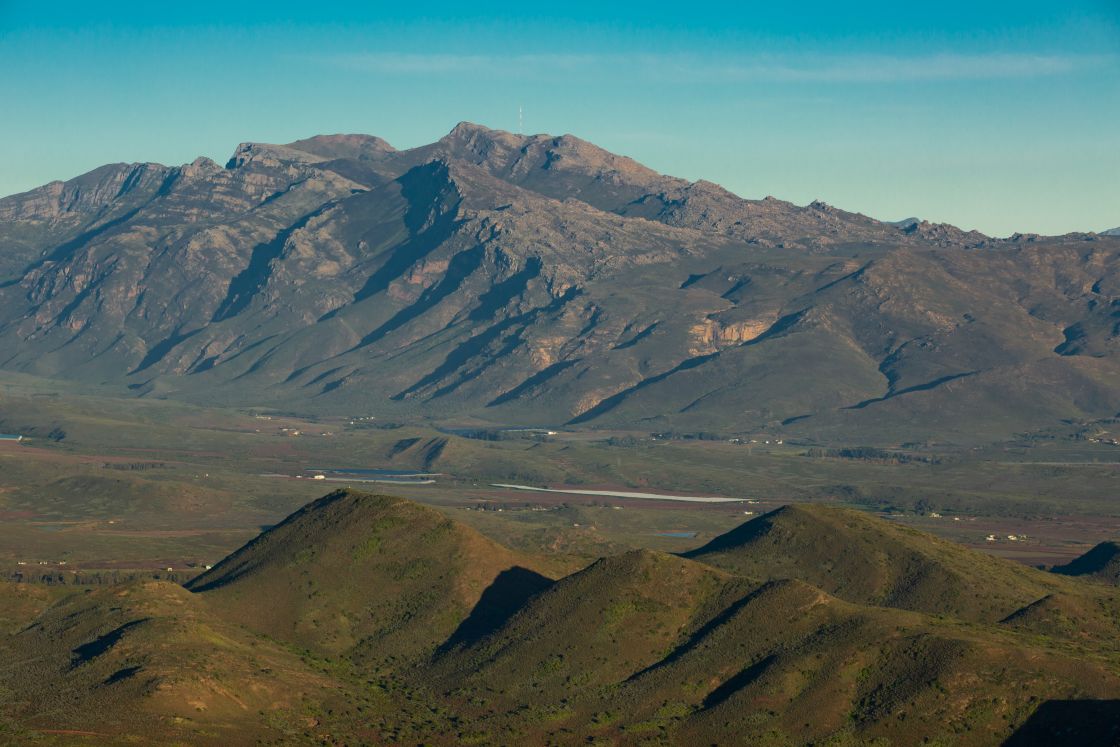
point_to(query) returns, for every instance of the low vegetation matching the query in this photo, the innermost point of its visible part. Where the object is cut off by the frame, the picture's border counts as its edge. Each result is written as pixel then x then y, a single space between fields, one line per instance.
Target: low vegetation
pixel 365 618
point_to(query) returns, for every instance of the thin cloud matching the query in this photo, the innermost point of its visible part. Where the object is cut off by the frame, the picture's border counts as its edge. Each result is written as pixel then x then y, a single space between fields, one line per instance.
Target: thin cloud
pixel 429 64
pixel 892 69
pixel 865 69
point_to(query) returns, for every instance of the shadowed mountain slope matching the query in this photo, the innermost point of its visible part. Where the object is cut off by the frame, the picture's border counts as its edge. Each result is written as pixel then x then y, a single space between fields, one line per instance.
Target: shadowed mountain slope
pixel 789 659
pixel 1101 562
pixel 600 625
pixel 540 279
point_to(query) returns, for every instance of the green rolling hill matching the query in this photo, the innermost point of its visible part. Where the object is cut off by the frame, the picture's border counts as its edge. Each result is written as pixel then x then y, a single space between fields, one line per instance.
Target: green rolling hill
pixel 365 618
pixel 370 576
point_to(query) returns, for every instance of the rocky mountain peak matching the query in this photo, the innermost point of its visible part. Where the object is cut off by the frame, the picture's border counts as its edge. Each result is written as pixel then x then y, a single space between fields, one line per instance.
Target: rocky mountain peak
pixel 199 167
pixel 481 145
pixel 86 194
pixel 268 154
pixel 344 146
pixel 529 279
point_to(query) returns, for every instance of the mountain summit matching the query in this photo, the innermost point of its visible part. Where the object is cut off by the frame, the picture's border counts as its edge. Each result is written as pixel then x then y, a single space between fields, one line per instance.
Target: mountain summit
pixel 541 279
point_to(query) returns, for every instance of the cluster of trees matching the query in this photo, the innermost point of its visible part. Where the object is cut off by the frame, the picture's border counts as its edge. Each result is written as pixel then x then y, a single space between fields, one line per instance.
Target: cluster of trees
pixel 55 434
pixel 687 436
pixel 871 454
pixel 623 441
pixel 517 507
pixel 905 502
pixel 134 466
pixel 93 578
pixel 371 425
pixel 503 434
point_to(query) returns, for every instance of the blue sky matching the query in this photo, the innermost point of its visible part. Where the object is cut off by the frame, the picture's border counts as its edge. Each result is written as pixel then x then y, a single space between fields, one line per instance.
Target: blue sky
pixel 998 116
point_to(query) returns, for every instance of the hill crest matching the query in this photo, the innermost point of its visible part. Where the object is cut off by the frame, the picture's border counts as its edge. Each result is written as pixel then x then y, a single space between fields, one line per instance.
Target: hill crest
pixel 1102 561
pixel 867 560
pixel 372 576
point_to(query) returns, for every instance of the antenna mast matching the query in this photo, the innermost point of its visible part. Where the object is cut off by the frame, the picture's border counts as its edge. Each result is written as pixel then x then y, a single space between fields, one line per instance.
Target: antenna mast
pixel 520 120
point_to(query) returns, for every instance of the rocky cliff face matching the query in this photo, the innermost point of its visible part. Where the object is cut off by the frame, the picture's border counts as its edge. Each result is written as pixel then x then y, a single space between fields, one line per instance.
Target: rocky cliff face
pixel 544 280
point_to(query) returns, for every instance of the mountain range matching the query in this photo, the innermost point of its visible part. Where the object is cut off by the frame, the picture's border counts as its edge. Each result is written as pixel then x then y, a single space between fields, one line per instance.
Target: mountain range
pixel 532 280
pixel 369 619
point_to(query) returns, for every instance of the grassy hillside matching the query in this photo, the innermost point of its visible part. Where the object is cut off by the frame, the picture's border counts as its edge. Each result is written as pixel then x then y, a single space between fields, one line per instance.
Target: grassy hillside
pixel 149 663
pixel 831 671
pixel 372 575
pixel 370 619
pixel 649 649
pixel 871 561
pixel 592 628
